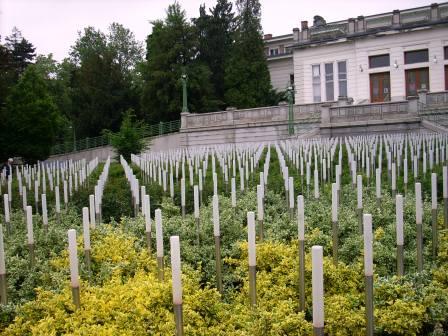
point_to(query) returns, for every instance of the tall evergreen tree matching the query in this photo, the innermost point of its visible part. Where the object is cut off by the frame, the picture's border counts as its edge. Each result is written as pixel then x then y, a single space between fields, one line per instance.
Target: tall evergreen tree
pixel 15 55
pixel 171 50
pixel 7 74
pixel 247 80
pixel 31 118
pixel 215 31
pixel 22 51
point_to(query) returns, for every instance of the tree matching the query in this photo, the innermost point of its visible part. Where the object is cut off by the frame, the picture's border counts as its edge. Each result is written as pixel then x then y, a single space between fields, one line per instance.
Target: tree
pixel 56 75
pixel 7 75
pixel 247 80
pixel 215 31
pixel 31 118
pixel 15 55
pixel 171 50
pixel 101 79
pixel 127 51
pixel 129 139
pixel 22 51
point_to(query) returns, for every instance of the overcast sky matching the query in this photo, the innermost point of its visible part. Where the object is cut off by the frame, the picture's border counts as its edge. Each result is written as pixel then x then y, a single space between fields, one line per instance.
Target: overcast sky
pixel 52 25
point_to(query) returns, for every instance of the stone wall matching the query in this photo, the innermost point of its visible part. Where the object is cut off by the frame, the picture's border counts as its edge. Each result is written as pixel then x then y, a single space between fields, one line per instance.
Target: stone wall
pixel 269 124
pixel 89 154
pixel 247 125
pixel 159 143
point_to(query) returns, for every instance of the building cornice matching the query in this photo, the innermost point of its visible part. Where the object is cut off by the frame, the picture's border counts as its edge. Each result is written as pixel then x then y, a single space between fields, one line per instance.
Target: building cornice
pixel 376 32
pixel 280 56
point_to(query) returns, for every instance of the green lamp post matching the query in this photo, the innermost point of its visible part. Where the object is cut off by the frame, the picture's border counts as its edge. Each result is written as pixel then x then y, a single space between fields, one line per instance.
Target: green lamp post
pixel 184 92
pixel 72 127
pixel 290 92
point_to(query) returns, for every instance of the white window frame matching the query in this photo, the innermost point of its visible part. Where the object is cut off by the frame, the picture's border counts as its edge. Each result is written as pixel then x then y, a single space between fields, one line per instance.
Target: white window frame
pixel 319 82
pixel 346 77
pixel 332 80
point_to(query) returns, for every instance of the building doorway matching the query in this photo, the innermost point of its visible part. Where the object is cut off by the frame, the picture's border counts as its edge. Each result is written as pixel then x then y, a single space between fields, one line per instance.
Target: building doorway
pixel 416 79
pixel 379 87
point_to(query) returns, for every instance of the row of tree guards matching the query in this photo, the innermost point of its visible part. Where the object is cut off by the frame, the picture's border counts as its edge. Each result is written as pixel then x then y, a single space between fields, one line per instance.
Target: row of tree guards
pixel 46 178
pixel 78 168
pixel 365 154
pixel 297 159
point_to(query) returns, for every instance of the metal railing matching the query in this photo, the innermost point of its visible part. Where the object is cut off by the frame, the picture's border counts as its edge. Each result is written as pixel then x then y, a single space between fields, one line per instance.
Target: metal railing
pixel 105 140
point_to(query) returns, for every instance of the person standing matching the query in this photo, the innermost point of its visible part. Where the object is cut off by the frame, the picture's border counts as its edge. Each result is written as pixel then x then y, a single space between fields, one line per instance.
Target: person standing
pixel 7 167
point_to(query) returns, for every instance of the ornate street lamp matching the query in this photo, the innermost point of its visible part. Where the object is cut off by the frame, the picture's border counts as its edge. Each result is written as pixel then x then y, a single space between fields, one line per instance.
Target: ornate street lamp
pixel 74 137
pixel 290 93
pixel 184 92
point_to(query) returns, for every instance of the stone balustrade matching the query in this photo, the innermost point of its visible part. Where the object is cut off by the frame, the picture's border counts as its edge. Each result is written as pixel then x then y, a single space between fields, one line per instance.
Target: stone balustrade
pixel 246 117
pixel 436 98
pixel 367 112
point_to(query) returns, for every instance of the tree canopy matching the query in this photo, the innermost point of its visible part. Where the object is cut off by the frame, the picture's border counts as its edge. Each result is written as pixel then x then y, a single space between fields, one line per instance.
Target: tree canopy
pixel 247 79
pixel 108 73
pixel 172 50
pixel 30 118
pixel 215 31
pixel 101 78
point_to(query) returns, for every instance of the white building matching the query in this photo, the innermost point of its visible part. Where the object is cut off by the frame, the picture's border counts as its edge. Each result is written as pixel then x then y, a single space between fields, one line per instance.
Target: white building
pixel 384 57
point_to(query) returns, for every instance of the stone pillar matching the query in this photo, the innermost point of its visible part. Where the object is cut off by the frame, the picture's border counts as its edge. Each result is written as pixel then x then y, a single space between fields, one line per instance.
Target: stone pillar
pixel 325 114
pixel 305 31
pixel 183 120
pixel 395 18
pixel 422 95
pixel 351 26
pixel 435 14
pixel 283 110
pixel 230 110
pixel 342 101
pixel 361 24
pixel 296 34
pixel 413 105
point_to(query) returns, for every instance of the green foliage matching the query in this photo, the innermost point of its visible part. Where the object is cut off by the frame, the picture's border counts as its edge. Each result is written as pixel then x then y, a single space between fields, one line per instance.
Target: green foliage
pixel 101 78
pixel 15 55
pixel 215 31
pixel 171 51
pixel 30 118
pixel 22 51
pixel 247 78
pixel 128 140
pixel 22 278
pixel 117 200
pixel 121 293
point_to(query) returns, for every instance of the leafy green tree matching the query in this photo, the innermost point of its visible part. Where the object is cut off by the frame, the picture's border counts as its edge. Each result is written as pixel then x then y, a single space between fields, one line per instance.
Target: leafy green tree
pixel 127 51
pixel 54 74
pixel 129 139
pixel 31 118
pixel 215 31
pixel 101 78
pixel 247 79
pixel 172 49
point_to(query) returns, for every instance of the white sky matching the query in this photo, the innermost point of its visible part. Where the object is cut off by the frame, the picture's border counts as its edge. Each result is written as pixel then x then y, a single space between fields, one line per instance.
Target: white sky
pixel 52 25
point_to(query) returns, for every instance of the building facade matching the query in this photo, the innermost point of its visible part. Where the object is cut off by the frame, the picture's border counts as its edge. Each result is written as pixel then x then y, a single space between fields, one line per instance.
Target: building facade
pixel 378 58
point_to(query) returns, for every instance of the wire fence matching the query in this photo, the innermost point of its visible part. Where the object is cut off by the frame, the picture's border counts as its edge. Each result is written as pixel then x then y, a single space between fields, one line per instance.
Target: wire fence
pixel 105 140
